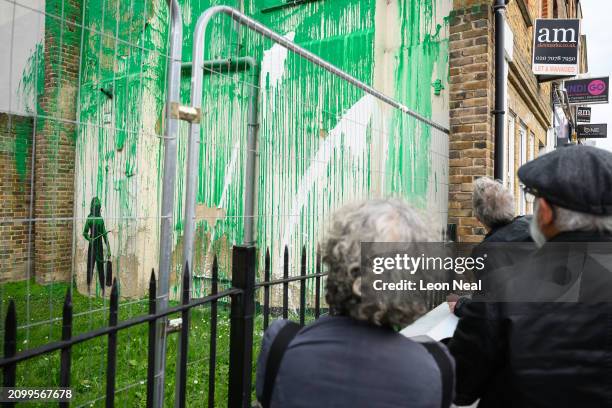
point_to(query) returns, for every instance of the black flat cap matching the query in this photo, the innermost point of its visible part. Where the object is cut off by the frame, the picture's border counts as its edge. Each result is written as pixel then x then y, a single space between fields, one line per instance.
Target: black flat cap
pixel 578 178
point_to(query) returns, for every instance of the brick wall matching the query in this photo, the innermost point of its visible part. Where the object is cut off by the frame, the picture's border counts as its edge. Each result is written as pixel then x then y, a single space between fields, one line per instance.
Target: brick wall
pixel 472 95
pixel 471 101
pixel 55 143
pixel 15 162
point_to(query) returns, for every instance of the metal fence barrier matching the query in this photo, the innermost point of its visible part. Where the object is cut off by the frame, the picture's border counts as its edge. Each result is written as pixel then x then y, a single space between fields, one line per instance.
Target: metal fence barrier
pixel 241 296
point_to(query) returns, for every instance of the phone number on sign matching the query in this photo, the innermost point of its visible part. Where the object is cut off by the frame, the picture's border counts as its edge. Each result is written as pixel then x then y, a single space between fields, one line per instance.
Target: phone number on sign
pixel 35 394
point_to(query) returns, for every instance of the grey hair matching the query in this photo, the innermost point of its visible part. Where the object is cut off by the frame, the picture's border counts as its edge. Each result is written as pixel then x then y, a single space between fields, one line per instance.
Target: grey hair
pixel 381 220
pixel 569 220
pixel 493 204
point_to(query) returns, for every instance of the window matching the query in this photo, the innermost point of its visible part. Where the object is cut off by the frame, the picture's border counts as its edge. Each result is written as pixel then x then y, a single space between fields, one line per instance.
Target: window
pixel 528 197
pixel 522 160
pixel 509 172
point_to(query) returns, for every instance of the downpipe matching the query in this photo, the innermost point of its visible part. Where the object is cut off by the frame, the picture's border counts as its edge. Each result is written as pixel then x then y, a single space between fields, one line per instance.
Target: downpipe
pixel 499 8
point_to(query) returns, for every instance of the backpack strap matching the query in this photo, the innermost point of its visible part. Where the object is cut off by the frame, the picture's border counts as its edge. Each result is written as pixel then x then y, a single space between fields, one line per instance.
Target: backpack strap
pixel 275 357
pixel 446 370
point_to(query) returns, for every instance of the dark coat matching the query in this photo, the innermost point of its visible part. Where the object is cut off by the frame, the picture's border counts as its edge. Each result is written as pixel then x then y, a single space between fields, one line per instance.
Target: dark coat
pixel 338 361
pixel 517 231
pixel 547 341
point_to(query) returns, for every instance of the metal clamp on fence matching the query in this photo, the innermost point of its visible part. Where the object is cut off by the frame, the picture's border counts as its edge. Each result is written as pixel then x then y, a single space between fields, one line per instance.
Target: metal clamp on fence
pixel 186 113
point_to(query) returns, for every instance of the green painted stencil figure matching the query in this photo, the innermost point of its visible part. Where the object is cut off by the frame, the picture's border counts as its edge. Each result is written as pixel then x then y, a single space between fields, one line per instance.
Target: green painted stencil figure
pixel 95 232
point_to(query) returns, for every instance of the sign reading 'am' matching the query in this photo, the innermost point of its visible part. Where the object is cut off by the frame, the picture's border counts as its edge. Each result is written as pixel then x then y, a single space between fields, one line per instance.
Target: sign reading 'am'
pixel 555 47
pixel 583 114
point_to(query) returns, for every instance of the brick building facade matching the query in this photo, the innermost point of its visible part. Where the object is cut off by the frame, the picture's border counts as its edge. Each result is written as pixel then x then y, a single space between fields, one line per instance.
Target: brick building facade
pixel 15 195
pixel 55 143
pixel 37 229
pixel 529 111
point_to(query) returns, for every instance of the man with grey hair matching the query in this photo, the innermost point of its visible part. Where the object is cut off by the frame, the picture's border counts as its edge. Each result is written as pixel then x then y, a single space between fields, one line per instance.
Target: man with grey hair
pixel 493 207
pixel 543 338
pixel 355 357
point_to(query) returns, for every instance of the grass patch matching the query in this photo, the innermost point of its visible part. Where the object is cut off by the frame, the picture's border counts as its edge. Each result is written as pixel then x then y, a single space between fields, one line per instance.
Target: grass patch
pixel 39 311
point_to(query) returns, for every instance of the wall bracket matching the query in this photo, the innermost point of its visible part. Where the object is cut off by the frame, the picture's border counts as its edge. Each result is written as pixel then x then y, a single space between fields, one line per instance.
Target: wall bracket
pixel 186 113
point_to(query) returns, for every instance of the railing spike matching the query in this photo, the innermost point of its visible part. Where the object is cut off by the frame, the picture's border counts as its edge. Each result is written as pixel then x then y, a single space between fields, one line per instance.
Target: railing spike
pixel 303 286
pixel 318 283
pixel 186 283
pixel 266 309
pixel 10 346
pixel 111 355
pixel 153 278
pixel 286 284
pixel 10 329
pixel 66 353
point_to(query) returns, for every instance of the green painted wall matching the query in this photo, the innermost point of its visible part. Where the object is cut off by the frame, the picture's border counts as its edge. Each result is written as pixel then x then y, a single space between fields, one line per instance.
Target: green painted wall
pixel 321 141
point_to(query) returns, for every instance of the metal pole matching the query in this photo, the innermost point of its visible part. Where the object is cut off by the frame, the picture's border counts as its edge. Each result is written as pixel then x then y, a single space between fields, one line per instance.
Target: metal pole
pixel 252 130
pixel 237 65
pixel 241 328
pixel 500 95
pixel 196 102
pixel 169 183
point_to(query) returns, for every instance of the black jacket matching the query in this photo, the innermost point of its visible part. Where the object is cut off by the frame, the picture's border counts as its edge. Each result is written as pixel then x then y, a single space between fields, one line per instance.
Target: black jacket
pixel 547 341
pixel 516 231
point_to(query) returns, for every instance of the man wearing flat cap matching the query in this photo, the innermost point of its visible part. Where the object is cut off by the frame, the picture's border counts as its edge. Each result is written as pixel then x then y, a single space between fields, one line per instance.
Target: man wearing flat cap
pixel 543 338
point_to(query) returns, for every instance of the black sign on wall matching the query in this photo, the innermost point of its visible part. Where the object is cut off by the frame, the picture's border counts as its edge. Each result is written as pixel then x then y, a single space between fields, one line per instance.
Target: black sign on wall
pixel 589 90
pixel 598 131
pixel 583 114
pixel 555 47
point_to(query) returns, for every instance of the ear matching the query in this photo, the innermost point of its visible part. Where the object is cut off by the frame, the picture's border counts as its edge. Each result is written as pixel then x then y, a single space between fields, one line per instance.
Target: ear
pixel 545 215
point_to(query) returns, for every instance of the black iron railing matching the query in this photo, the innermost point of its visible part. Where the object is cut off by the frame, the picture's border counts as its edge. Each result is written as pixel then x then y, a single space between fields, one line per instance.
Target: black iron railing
pixel 241 296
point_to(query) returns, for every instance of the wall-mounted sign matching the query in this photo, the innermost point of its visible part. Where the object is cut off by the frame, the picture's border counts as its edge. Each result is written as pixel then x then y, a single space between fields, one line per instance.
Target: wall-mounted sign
pixel 555 47
pixel 598 131
pixel 590 90
pixel 583 114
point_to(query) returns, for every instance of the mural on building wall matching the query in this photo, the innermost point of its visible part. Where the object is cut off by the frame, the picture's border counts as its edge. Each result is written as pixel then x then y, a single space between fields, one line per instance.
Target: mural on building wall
pixel 96 235
pixel 321 141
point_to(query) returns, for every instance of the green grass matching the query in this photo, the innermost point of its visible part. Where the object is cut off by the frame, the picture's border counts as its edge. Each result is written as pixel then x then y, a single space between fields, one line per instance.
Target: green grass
pixel 44 303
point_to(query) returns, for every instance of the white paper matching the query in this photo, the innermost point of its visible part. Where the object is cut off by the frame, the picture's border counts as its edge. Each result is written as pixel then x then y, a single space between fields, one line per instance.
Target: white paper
pixel 438 323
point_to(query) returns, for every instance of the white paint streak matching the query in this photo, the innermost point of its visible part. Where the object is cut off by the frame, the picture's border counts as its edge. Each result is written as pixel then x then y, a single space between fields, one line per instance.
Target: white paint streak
pixel 273 67
pixel 229 177
pixel 350 131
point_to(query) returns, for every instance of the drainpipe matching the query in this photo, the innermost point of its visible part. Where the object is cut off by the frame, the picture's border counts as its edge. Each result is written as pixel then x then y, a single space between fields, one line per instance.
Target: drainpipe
pixel 499 7
pixel 166 237
pixel 252 66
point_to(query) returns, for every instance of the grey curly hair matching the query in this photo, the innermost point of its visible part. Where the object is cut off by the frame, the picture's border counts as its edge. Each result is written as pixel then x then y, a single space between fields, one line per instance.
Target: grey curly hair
pixel 381 220
pixel 493 204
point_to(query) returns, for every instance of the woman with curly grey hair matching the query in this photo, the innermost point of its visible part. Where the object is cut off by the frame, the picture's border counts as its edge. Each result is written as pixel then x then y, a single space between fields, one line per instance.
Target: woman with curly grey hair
pixel 355 357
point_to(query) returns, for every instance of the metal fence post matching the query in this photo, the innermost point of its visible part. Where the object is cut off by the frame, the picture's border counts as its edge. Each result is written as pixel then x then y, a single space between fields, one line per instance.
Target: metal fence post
pixel 241 329
pixel 111 355
pixel 65 356
pixel 151 345
pixel 166 235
